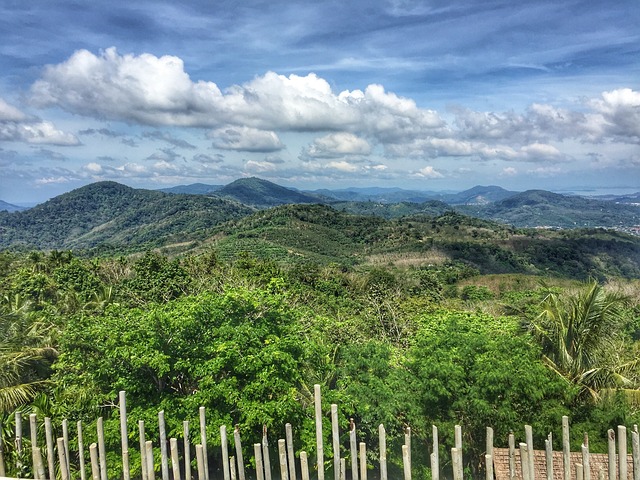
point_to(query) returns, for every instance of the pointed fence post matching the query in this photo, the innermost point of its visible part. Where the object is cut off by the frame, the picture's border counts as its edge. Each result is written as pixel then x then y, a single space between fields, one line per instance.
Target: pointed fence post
pixel 335 436
pixel 62 458
pixel 124 436
pixel 524 462
pixel 282 457
pixel 635 446
pixel 319 434
pixel 203 442
pixel 164 458
pixel 232 468
pixel 48 432
pixel 39 465
pixel 240 459
pixel 382 437
pixel 458 436
pixel 512 456
pixel 488 461
pixel 175 458
pixel 290 453
pixel 586 462
pixel 456 460
pixel 435 455
pixel 579 471
pixel 353 446
pixel 95 463
pixel 530 455
pixel 304 465
pixel 150 466
pixel 102 451
pixel 363 461
pixel 224 447
pixel 548 448
pixel 266 458
pixel 18 441
pixel 65 441
pixel 33 434
pixel 143 449
pixel 407 442
pixel 406 462
pixel 257 451
pixel 202 473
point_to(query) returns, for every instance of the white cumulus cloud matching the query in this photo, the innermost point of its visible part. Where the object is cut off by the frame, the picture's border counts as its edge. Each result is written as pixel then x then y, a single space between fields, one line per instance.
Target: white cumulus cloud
pixel 245 139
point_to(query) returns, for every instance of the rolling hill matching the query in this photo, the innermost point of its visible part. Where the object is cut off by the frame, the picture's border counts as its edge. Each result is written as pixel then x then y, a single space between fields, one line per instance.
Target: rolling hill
pixel 8 207
pixel 264 194
pixel 108 213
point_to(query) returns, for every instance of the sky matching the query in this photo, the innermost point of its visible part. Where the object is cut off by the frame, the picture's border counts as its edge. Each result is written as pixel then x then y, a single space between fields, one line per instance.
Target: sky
pixel 437 95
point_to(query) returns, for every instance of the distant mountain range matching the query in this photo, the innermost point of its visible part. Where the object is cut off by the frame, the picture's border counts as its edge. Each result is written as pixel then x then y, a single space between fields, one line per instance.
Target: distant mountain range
pixel 108 213
pixel 7 207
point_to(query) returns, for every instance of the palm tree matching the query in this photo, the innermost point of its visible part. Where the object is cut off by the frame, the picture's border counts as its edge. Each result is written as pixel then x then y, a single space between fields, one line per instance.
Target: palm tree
pixel 580 338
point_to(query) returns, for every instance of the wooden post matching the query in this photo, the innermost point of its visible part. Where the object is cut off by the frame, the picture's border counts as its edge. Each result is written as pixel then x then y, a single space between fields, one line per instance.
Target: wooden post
pixel 33 435
pixel 635 446
pixel 548 448
pixel 258 456
pixel 102 452
pixel 304 465
pixel 335 436
pixel 343 469
pixel 528 431
pixel 187 450
pixel 124 435
pixel 266 458
pixel 202 473
pixel 435 455
pixel 406 462
pixel 407 442
pixel 151 467
pixel 95 464
pixel 83 473
pixel 232 468
pixel 354 449
pixel 488 461
pixel 579 471
pixel 143 449
pixel 611 451
pixel 240 459
pixel 65 442
pixel 18 441
pixel 62 457
pixel 622 452
pixel 363 461
pixel 566 448
pixel 282 457
pixel 224 447
pixel 290 453
pixel 512 456
pixel 586 462
pixel 48 433
pixel 319 435
pixel 164 458
pixel 175 458
pixel 458 436
pixel 203 443
pixel 456 460
pixel 382 437
pixel 489 441
pixel 524 462
pixel 39 464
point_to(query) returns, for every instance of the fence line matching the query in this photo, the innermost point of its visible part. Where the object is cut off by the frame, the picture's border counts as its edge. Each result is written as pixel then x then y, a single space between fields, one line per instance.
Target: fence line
pixel 522 463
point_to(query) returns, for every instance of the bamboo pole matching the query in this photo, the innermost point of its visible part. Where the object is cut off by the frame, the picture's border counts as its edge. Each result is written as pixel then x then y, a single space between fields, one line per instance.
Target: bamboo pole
pixel 354 449
pixel 548 449
pixel 363 460
pixel 456 460
pixel 304 465
pixel 319 435
pixel 282 457
pixel 83 473
pixel 266 458
pixel 224 447
pixel 65 443
pixel 164 458
pixel 124 436
pixel 257 451
pixel 175 458
pixel 187 450
pixel 566 448
pixel 95 464
pixel 622 452
pixel 435 455
pixel 240 459
pixel 102 452
pixel 382 437
pixel 406 462
pixel 143 449
pixel 202 474
pixel 512 456
pixel 63 459
pixel 48 433
pixel 290 453
pixel 335 436
pixel 33 434
pixel 611 451
pixel 151 467
pixel 203 443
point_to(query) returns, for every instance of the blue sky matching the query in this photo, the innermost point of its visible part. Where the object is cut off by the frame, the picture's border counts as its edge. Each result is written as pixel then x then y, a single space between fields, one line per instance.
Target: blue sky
pixel 431 95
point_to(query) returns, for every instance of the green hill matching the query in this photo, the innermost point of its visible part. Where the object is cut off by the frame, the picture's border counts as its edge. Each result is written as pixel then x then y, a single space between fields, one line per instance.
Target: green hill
pixel 263 194
pixel 108 213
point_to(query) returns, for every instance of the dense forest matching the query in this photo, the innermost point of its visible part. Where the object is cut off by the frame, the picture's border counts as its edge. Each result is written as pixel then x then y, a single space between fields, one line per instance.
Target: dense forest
pixel 402 343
